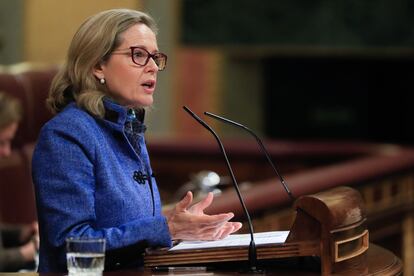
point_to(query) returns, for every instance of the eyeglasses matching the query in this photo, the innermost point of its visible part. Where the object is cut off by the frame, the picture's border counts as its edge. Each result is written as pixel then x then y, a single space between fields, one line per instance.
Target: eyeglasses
pixel 140 56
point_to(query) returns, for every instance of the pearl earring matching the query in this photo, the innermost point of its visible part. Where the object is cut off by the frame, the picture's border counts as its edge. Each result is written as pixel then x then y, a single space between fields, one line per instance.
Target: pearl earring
pixel 102 81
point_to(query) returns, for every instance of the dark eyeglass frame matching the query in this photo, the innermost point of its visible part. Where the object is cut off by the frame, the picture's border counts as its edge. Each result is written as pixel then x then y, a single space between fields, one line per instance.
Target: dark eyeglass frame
pixel 154 57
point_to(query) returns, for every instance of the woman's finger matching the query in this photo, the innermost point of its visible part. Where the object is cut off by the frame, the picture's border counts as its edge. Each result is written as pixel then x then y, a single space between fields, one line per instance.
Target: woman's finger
pixel 203 204
pixel 226 231
pixel 236 226
pixel 211 220
pixel 185 202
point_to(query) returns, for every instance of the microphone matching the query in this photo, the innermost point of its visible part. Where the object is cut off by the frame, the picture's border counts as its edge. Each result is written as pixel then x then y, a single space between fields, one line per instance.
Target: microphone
pixel 252 245
pixel 262 147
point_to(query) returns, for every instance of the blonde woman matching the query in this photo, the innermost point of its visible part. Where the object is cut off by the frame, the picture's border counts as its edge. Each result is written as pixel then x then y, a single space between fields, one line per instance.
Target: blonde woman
pixel 91 168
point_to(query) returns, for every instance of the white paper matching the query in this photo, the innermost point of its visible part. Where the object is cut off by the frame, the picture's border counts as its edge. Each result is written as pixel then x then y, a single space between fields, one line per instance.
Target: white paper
pixel 273 237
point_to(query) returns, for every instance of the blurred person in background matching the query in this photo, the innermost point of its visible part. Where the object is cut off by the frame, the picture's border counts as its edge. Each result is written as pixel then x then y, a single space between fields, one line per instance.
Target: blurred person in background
pixel 10 116
pixel 18 243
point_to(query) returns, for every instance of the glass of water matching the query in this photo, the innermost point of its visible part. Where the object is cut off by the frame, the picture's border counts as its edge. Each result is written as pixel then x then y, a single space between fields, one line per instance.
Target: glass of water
pixel 85 256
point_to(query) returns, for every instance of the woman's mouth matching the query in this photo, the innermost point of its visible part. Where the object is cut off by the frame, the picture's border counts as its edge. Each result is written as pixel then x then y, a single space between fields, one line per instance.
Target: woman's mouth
pixel 149 85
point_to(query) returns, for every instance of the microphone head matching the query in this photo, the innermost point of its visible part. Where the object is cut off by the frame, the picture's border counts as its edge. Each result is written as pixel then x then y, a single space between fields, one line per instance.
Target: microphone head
pixel 197 118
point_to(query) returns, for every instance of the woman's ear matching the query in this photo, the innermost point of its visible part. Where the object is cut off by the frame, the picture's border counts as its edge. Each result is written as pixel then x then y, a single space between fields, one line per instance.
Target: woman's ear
pixel 98 71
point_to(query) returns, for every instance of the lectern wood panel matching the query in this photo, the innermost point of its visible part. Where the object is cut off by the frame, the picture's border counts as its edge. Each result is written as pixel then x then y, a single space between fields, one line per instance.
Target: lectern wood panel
pixel 329 225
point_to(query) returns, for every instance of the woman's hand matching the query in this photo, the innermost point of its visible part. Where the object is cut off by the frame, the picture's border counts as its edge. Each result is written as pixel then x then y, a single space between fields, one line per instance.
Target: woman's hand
pixel 190 223
pixel 28 251
pixel 29 234
pixel 29 231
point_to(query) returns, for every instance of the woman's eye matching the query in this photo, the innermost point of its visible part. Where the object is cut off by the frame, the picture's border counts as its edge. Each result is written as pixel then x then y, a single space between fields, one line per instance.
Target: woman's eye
pixel 139 54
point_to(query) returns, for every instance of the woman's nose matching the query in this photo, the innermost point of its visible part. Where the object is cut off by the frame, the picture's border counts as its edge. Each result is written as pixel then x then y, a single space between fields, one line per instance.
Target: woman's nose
pixel 152 65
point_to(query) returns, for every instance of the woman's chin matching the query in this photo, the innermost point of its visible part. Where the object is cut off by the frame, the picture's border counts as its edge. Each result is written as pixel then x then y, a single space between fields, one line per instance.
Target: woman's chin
pixel 147 102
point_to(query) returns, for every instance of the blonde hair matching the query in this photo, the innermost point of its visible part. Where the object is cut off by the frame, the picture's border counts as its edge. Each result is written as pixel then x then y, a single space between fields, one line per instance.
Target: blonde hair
pixel 10 110
pixel 92 44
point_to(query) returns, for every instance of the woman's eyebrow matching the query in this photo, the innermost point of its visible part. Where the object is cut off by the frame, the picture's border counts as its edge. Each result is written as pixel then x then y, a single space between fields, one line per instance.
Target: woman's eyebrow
pixel 144 47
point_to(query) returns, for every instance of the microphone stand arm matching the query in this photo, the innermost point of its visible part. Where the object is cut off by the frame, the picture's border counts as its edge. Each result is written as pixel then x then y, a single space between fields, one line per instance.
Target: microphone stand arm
pixel 252 245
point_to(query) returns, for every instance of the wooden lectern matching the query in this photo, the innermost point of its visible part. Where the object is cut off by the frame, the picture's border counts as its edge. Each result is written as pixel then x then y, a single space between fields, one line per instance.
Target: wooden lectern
pixel 329 226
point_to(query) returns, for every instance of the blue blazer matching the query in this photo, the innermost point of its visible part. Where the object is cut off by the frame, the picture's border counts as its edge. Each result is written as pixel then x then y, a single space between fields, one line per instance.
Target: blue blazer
pixel 85 176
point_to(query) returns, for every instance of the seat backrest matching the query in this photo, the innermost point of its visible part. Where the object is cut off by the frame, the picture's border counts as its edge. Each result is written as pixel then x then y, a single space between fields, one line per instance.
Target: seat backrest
pixel 17 200
pixel 30 85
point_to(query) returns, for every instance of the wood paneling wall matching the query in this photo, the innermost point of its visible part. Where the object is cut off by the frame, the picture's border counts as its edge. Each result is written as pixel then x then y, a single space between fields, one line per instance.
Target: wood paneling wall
pixel 49 25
